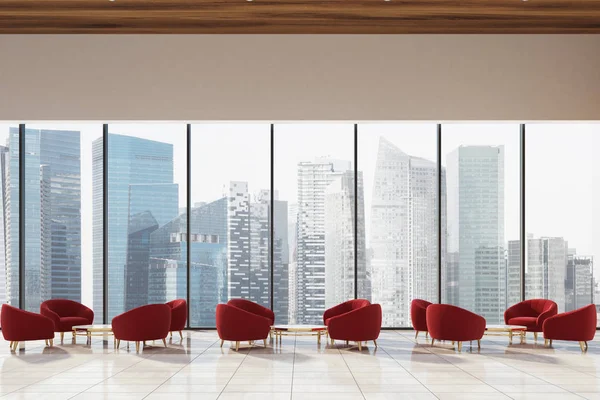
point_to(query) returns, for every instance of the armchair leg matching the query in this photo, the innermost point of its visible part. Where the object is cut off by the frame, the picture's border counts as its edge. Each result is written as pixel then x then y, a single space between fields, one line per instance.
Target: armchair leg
pixel 583 346
pixel 137 347
pixel 265 342
pixel 51 342
pixel 359 346
pixel 222 341
pixel 416 334
pixel 46 342
pixel 479 344
pixel 459 346
pixel 432 341
pixel 62 337
pixel 550 342
pixel 426 335
pixel 535 336
pixel 118 343
pixel 332 342
pixel 375 342
pixel 165 342
pixel 11 345
pixel 545 342
pixel 180 335
pixel 237 346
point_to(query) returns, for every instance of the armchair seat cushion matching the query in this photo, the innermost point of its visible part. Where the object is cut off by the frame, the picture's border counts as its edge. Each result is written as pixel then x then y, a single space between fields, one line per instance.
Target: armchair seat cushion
pixel 529 322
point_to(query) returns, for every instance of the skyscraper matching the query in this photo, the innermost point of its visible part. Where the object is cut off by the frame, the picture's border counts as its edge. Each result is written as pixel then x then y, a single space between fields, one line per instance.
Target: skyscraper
pixel 138 170
pixel 313 179
pixel 579 282
pixel 340 241
pixel 52 212
pixel 281 261
pixel 403 235
pixel 475 185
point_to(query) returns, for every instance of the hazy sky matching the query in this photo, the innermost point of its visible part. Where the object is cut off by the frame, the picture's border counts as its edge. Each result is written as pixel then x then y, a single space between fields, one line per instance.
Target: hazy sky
pixel 562 171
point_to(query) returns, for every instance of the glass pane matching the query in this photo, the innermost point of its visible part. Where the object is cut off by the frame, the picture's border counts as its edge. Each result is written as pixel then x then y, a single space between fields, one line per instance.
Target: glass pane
pixel 147 192
pixel 9 218
pixel 230 217
pixel 399 163
pixel 314 173
pixel 58 212
pixel 562 176
pixel 483 208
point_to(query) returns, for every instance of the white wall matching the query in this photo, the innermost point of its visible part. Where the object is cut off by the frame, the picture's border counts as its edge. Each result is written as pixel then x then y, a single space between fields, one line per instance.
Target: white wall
pixel 298 77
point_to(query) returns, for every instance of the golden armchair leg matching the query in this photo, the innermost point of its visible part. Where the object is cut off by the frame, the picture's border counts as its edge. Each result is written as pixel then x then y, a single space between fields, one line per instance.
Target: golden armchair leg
pixel 51 342
pixel 62 337
pixel 46 342
pixel 11 344
pixel 459 346
pixel 426 335
pixel 583 346
pixel 180 335
pixel 237 346
pixel 165 342
pixel 118 343
pixel 550 343
pixel 332 342
pixel 137 347
pixel 545 342
pixel 265 342
pixel 375 342
pixel 479 344
pixel 347 342
pixel 359 346
pixel 432 341
pixel 535 336
pixel 416 334
pixel 222 341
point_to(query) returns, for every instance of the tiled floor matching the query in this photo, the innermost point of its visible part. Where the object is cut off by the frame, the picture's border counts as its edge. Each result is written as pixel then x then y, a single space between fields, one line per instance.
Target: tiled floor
pixel 400 368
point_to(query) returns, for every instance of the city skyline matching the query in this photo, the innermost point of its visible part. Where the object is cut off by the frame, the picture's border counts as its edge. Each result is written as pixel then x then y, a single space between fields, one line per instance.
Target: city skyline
pixel 332 196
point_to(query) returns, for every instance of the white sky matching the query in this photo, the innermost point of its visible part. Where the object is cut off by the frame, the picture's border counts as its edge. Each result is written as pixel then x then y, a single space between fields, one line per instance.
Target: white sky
pixel 562 172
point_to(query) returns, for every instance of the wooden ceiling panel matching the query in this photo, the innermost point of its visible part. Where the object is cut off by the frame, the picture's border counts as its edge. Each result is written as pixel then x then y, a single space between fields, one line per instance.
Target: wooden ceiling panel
pixel 294 16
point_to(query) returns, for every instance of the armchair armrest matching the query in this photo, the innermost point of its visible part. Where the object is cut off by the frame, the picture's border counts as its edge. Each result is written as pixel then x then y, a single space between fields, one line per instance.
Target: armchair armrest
pixel 545 315
pixel 512 312
pixel 54 317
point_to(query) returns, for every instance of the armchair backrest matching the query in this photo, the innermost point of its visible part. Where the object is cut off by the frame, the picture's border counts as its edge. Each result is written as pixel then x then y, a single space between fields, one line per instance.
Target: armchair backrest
pixel 65 308
pixel 148 322
pixel 252 307
pixel 539 306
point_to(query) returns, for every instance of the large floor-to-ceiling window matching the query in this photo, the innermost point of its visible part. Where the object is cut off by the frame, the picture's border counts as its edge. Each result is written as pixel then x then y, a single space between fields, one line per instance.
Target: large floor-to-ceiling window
pixel 398 165
pixel 147 204
pixel 314 173
pixel 230 217
pixel 59 212
pixel 563 226
pixel 299 216
pixel 9 213
pixel 481 271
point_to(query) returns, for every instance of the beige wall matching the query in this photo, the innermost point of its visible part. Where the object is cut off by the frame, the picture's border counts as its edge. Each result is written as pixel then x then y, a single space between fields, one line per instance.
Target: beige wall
pixel 299 77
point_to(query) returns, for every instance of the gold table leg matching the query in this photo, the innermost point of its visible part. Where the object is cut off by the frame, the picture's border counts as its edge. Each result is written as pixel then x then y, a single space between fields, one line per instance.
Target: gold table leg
pixel 319 337
pixel 510 335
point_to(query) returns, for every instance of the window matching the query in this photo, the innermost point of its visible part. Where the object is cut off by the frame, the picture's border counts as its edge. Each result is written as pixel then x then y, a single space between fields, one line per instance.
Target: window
pixel 147 203
pixel 9 215
pixel 398 163
pixel 481 271
pixel 230 217
pixel 562 177
pixel 314 174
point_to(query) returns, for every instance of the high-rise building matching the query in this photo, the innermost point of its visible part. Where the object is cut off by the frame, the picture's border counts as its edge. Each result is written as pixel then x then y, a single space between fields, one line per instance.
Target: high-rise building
pixel 579 281
pixel 403 234
pixel 281 261
pixel 4 219
pixel 340 251
pixel 52 212
pixel 475 207
pixel 138 170
pixel 513 273
pixel 546 269
pixel 313 179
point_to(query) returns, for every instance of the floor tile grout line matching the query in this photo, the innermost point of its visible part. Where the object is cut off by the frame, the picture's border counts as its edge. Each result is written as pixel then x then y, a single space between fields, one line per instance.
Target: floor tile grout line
pixel 499 361
pixel 410 373
pixel 351 373
pixel 180 369
pixel 293 367
pixel 234 372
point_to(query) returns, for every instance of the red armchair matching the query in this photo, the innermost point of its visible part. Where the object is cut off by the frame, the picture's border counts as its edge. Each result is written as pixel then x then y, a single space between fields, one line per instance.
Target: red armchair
pixel 66 314
pixel 531 313
pixel 178 316
pixel 418 309
pixel 447 322
pixel 253 308
pixel 20 326
pixel 355 320
pixel 237 325
pixel 578 325
pixel 151 322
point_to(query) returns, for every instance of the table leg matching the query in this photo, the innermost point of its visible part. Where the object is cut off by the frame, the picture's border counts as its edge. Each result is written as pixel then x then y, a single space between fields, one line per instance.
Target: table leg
pixel 319 337
pixel 74 337
pixel 522 337
pixel 89 337
pixel 510 335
